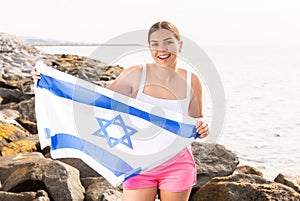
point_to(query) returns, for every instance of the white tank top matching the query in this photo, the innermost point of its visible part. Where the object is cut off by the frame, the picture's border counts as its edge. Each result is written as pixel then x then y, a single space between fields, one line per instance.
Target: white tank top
pixel 179 106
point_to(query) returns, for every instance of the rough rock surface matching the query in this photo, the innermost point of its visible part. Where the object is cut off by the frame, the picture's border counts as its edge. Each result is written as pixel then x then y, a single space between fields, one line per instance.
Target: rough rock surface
pixel 32 171
pixel 246 188
pixel 289 180
pixel 213 160
pixel 246 169
pixel 95 187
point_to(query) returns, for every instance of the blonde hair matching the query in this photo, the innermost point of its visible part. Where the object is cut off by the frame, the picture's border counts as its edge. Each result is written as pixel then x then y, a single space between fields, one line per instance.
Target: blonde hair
pixel 164 25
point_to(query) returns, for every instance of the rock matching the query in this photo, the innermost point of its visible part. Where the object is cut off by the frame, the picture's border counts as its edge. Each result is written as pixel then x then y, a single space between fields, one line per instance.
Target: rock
pixel 24 172
pixel 6 165
pixel 21 146
pixel 41 195
pixel 213 160
pixel 28 125
pixel 245 169
pixel 85 170
pixel 84 68
pixel 288 180
pixel 10 131
pixel 111 195
pixel 242 187
pixel 25 108
pixel 28 144
pixel 24 196
pixel 10 44
pixel 10 95
pixel 95 187
pixel 10 114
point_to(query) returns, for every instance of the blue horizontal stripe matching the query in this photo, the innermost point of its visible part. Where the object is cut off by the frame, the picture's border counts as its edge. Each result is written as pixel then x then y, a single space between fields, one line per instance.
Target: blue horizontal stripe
pixel 110 161
pixel 83 95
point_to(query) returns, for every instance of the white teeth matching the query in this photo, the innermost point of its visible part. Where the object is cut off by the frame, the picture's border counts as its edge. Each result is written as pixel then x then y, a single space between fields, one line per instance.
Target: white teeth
pixel 163 56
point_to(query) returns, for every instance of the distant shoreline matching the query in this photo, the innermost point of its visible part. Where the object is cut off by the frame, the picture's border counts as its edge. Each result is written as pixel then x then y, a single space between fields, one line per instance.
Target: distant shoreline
pixel 76 44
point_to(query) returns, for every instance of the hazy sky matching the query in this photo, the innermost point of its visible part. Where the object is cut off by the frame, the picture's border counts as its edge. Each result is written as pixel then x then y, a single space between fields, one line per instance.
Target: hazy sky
pixel 211 22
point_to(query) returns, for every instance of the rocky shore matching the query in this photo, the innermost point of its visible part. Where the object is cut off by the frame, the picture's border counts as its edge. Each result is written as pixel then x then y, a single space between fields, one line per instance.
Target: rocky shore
pixel 28 173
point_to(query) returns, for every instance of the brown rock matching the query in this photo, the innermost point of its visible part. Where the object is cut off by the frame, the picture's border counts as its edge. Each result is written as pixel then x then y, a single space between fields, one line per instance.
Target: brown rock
pixel 84 169
pixel 95 187
pixel 32 172
pixel 28 125
pixel 242 187
pixel 24 196
pixel 10 131
pixel 245 169
pixel 21 146
pixel 26 109
pixel 111 195
pixel 213 160
pixel 288 180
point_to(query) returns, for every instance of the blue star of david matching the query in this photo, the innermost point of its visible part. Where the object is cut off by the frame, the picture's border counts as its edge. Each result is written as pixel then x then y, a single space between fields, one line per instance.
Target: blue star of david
pixel 113 141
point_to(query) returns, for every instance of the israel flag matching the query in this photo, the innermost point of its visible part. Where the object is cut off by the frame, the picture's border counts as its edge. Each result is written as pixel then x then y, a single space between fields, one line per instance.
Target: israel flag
pixel 117 136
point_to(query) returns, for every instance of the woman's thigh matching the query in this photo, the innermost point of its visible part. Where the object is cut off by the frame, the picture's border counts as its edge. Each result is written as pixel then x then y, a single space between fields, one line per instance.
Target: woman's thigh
pixel 175 196
pixel 141 194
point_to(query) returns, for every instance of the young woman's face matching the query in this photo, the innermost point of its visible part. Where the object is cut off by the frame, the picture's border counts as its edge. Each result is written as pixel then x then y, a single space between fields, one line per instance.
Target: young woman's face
pixel 164 47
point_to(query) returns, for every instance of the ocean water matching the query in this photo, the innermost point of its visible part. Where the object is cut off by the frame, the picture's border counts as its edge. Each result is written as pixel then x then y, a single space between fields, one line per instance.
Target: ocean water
pixel 262 98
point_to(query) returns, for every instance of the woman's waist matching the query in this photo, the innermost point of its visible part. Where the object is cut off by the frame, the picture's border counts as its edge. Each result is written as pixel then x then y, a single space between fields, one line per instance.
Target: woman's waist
pixel 183 157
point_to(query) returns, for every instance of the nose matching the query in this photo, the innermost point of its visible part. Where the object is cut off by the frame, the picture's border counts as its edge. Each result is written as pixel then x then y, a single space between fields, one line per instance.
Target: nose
pixel 162 47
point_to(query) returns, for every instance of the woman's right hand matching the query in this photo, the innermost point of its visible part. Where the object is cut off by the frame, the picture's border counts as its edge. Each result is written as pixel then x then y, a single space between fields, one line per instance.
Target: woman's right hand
pixel 35 74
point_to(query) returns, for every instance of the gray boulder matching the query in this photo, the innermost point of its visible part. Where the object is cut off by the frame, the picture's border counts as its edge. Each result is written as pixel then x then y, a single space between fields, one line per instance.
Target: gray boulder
pixel 213 160
pixel 95 187
pixel 32 172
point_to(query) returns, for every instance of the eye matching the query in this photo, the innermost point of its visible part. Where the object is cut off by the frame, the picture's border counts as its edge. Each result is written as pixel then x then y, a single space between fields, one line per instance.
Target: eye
pixel 154 44
pixel 168 42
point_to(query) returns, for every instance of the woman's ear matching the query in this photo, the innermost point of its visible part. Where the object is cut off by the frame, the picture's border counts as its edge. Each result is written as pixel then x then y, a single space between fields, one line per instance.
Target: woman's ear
pixel 180 46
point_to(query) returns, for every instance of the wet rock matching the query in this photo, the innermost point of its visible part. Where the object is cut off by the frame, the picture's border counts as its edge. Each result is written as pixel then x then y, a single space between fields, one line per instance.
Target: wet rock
pixel 242 187
pixel 32 172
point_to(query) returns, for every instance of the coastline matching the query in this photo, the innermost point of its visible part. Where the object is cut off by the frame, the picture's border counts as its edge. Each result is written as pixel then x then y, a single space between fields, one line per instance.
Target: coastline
pixel 17 83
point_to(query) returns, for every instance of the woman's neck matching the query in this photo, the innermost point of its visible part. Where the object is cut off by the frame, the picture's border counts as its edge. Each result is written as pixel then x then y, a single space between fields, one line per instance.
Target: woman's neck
pixel 164 73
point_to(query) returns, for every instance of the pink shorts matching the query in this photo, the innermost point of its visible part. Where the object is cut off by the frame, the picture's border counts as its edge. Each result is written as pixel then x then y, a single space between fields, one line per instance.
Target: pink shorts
pixel 176 175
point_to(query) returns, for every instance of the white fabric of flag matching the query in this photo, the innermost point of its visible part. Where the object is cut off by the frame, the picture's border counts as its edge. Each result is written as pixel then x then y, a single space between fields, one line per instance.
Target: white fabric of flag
pixel 117 136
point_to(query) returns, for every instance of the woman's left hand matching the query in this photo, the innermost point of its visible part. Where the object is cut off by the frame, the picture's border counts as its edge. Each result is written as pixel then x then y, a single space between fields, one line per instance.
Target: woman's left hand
pixel 202 129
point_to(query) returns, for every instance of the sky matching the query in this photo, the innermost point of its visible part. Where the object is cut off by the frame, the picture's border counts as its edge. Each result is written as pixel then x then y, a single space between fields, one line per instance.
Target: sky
pixel 207 22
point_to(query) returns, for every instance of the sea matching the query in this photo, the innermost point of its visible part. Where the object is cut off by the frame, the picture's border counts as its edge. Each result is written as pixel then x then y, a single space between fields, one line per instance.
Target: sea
pixel 262 100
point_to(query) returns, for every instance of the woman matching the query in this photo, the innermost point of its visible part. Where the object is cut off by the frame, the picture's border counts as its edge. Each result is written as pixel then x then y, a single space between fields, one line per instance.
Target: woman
pixel 163 84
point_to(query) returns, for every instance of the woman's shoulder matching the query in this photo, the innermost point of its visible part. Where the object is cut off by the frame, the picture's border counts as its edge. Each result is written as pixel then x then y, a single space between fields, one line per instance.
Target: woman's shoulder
pixel 195 79
pixel 185 71
pixel 131 71
pixel 133 68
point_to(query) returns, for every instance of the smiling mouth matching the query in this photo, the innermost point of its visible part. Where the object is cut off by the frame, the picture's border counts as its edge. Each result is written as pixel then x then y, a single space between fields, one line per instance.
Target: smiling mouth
pixel 166 56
